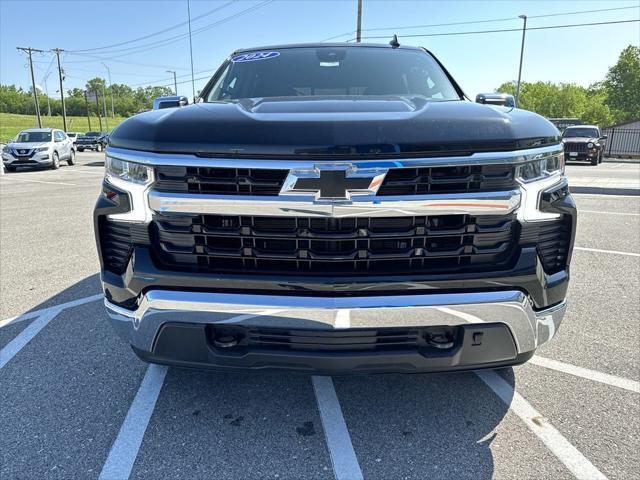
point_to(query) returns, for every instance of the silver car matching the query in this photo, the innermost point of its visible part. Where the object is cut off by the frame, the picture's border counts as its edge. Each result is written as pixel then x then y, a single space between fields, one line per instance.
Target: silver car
pixel 38 147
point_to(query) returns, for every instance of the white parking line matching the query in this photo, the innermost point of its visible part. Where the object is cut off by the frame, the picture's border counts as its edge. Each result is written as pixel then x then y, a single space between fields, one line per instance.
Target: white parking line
pixel 343 457
pixel 609 213
pixel 616 252
pixel 38 181
pixel 589 374
pixel 125 448
pixel 599 195
pixel 25 336
pixel 569 455
pixel 61 306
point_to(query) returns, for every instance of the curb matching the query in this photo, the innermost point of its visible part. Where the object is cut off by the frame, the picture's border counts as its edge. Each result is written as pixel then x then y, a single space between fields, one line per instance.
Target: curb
pixel 605 190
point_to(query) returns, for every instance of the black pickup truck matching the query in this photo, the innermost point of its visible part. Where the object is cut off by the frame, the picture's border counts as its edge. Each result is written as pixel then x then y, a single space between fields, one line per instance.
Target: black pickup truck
pixel 91 141
pixel 335 208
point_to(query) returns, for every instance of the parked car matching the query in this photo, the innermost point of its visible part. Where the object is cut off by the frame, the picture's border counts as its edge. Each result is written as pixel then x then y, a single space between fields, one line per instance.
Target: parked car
pixel 38 147
pixel 584 143
pixel 73 136
pixel 91 141
pixel 335 208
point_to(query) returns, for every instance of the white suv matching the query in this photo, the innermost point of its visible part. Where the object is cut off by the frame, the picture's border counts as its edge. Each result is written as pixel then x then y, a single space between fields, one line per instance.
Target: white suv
pixel 43 147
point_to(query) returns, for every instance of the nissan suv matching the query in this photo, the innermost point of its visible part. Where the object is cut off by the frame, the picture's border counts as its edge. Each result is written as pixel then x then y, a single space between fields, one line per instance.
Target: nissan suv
pixel 335 208
pixel 38 147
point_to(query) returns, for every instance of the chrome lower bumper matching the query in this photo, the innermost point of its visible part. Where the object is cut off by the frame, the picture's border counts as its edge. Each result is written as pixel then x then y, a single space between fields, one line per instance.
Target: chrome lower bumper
pixel 529 328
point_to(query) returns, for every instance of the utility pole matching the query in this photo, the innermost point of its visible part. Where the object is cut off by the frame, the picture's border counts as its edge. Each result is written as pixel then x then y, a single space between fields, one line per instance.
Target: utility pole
pixel 524 29
pixel 359 24
pixel 104 106
pixel 113 110
pixel 29 50
pixel 86 102
pixel 60 76
pixel 193 81
pixel 175 82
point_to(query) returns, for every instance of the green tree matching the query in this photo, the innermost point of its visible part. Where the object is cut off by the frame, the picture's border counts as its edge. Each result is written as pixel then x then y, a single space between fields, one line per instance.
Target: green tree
pixel 622 85
pixel 562 100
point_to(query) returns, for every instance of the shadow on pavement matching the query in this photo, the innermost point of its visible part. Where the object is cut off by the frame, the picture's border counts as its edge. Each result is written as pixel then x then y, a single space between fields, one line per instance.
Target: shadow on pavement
pixel 437 426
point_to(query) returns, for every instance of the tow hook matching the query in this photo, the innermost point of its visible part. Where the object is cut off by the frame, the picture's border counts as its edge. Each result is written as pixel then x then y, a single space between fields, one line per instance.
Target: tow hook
pixel 225 341
pixel 442 340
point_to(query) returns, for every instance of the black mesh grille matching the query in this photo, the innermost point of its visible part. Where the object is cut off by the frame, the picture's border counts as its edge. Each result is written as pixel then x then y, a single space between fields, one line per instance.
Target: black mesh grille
pixel 552 240
pixel 351 340
pixel 116 244
pixel 579 147
pixel 461 179
pixel 220 181
pixel 399 181
pixel 330 246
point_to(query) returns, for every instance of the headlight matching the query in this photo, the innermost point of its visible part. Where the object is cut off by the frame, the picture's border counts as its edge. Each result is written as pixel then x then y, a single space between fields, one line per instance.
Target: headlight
pixel 539 169
pixel 42 149
pixel 128 171
pixel 590 145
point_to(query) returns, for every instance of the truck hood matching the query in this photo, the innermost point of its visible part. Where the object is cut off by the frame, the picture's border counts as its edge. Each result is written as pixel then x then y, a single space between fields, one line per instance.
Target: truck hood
pixel 333 126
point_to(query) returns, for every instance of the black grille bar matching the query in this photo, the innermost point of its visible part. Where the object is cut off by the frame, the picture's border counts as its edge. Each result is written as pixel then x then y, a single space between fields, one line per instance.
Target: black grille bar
pixel 326 246
pixel 399 181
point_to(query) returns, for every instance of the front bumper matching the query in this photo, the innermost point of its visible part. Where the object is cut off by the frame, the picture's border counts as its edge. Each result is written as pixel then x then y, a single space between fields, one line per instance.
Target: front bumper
pixel 40 158
pixel 488 329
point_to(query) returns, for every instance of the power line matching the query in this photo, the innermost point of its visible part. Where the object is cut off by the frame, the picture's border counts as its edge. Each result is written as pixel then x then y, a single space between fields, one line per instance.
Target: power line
pixel 177 25
pixel 176 38
pixel 443 34
pixel 377 29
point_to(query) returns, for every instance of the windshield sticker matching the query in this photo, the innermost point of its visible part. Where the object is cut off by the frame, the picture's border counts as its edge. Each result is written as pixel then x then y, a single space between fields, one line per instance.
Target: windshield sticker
pixel 253 56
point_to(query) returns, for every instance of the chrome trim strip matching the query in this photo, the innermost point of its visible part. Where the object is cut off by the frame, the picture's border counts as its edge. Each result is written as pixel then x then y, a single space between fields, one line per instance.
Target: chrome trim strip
pixel 487 203
pixel 529 328
pixel 149 158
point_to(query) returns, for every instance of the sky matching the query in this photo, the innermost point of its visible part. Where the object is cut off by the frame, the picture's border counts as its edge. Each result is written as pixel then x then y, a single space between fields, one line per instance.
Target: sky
pixel 479 62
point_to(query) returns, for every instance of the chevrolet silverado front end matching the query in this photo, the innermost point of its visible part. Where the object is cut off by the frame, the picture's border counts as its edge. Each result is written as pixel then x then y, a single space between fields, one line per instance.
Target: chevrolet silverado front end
pixel 335 208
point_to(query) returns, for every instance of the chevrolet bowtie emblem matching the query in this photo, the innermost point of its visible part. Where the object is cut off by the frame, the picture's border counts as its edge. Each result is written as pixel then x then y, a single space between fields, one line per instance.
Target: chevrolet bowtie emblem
pixel 334 182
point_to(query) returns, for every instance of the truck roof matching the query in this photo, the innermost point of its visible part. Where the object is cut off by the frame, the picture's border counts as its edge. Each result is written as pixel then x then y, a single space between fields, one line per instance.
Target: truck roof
pixel 333 45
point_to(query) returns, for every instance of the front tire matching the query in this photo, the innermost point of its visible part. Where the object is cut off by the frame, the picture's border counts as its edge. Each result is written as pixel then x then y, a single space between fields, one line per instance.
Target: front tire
pixel 80 149
pixel 72 157
pixel 55 164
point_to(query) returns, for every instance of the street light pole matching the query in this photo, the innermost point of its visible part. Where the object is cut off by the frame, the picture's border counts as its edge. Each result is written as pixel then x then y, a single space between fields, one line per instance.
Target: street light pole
pixel 60 77
pixel 113 111
pixel 46 91
pixel 193 81
pixel 524 30
pixel 359 22
pixel 175 82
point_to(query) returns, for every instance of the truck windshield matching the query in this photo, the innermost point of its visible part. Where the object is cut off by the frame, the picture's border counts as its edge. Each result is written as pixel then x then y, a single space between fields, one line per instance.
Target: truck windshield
pixel 581 132
pixel 331 71
pixel 25 137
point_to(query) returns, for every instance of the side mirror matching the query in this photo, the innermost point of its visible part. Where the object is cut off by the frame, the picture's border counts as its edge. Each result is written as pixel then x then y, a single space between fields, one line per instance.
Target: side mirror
pixel 170 101
pixel 604 137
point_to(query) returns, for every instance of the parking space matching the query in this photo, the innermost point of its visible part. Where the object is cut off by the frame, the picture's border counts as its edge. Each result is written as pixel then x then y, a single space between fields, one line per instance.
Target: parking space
pixel 77 403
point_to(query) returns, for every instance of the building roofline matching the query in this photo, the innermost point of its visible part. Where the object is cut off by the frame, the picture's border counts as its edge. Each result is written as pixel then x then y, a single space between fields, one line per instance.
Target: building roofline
pixel 622 124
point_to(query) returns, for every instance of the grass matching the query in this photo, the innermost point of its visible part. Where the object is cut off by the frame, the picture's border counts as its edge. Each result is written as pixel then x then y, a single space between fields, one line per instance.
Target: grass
pixel 11 124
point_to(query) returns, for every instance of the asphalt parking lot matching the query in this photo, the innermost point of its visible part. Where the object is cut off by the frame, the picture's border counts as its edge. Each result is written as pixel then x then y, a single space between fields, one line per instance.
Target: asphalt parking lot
pixel 77 403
